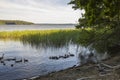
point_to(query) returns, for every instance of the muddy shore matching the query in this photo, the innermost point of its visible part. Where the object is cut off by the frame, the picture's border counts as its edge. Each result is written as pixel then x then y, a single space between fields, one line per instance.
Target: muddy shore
pixel 106 70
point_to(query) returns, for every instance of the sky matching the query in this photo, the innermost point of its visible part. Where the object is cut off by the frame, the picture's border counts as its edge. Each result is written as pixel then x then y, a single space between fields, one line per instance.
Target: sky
pixel 39 11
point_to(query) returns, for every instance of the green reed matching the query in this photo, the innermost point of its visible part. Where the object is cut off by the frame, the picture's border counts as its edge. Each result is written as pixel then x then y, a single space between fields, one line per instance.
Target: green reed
pixel 58 38
pixel 46 37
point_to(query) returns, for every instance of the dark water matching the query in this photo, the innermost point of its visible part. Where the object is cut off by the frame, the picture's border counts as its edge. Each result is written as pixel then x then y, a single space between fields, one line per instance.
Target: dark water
pixel 39 62
pixel 36 27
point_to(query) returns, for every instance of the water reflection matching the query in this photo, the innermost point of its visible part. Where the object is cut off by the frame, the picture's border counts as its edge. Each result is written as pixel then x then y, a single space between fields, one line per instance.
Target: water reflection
pixel 84 54
pixel 38 59
pixel 90 55
pixel 45 43
pixel 25 60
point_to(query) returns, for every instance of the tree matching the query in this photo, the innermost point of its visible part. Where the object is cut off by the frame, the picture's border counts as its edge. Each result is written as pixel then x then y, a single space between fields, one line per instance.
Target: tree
pixel 100 14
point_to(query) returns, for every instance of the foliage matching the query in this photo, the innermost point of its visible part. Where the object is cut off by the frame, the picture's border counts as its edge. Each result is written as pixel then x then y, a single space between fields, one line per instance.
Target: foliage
pixel 98 12
pixel 58 38
pixel 101 14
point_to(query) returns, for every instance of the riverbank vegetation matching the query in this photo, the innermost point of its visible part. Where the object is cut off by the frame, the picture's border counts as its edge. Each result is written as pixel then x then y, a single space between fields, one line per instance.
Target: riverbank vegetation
pixel 101 14
pixel 14 22
pixel 46 37
pixel 58 38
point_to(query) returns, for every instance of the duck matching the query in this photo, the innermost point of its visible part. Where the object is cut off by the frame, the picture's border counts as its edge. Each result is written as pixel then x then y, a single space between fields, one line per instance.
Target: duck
pixel 71 54
pixel 12 65
pixel 66 56
pixel 18 61
pixel 61 56
pixel 2 57
pixel 11 59
pixel 54 57
pixel 2 61
pixel 4 64
pixel 25 60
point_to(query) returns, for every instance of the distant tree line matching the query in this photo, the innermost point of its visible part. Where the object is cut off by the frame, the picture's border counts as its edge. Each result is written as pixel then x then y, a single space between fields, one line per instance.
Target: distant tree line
pixel 14 22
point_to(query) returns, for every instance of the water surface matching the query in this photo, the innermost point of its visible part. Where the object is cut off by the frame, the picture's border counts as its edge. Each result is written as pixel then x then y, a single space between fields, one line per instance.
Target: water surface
pixel 39 62
pixel 36 27
pixel 38 56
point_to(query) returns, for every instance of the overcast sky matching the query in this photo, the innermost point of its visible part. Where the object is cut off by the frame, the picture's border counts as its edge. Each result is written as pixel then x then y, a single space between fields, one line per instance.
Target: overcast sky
pixel 39 11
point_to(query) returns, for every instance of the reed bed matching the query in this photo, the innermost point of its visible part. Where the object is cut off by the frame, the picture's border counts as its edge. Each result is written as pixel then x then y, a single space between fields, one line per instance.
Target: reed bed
pixel 46 37
pixel 58 38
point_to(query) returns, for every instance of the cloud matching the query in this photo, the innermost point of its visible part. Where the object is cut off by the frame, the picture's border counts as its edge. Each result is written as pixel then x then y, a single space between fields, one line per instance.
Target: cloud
pixel 39 11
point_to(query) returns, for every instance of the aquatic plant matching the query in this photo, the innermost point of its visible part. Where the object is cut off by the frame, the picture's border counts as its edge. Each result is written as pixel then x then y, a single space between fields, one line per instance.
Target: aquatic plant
pixel 58 38
pixel 44 37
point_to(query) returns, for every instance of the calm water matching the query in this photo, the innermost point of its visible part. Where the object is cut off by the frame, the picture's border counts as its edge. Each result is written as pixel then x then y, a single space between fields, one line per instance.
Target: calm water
pixel 38 58
pixel 36 27
pixel 39 62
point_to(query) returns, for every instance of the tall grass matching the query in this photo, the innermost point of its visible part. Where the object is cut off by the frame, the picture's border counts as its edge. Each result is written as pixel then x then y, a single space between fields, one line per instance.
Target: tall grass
pixel 46 37
pixel 58 38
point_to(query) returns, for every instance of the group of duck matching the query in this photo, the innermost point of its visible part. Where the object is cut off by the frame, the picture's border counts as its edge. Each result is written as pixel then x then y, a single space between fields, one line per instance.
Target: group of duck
pixel 61 56
pixel 3 60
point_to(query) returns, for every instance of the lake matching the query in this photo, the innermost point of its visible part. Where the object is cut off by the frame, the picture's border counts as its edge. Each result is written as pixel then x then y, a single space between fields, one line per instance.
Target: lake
pixel 36 27
pixel 20 60
pixel 39 62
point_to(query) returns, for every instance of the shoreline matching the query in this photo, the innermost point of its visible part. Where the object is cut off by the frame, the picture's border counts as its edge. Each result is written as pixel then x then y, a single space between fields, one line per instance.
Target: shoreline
pixel 88 71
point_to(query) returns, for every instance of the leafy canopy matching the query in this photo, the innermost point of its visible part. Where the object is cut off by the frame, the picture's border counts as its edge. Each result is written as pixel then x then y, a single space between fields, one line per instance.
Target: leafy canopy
pixel 101 14
pixel 98 12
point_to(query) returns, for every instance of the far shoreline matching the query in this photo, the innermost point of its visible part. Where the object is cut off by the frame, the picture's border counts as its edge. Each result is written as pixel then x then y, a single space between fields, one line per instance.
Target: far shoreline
pixel 37 24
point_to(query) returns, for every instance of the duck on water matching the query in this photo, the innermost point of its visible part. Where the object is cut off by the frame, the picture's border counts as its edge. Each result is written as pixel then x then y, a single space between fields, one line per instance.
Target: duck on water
pixel 62 56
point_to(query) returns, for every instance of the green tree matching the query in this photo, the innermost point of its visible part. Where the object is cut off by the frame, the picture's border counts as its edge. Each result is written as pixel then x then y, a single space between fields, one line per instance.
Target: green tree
pixel 101 14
